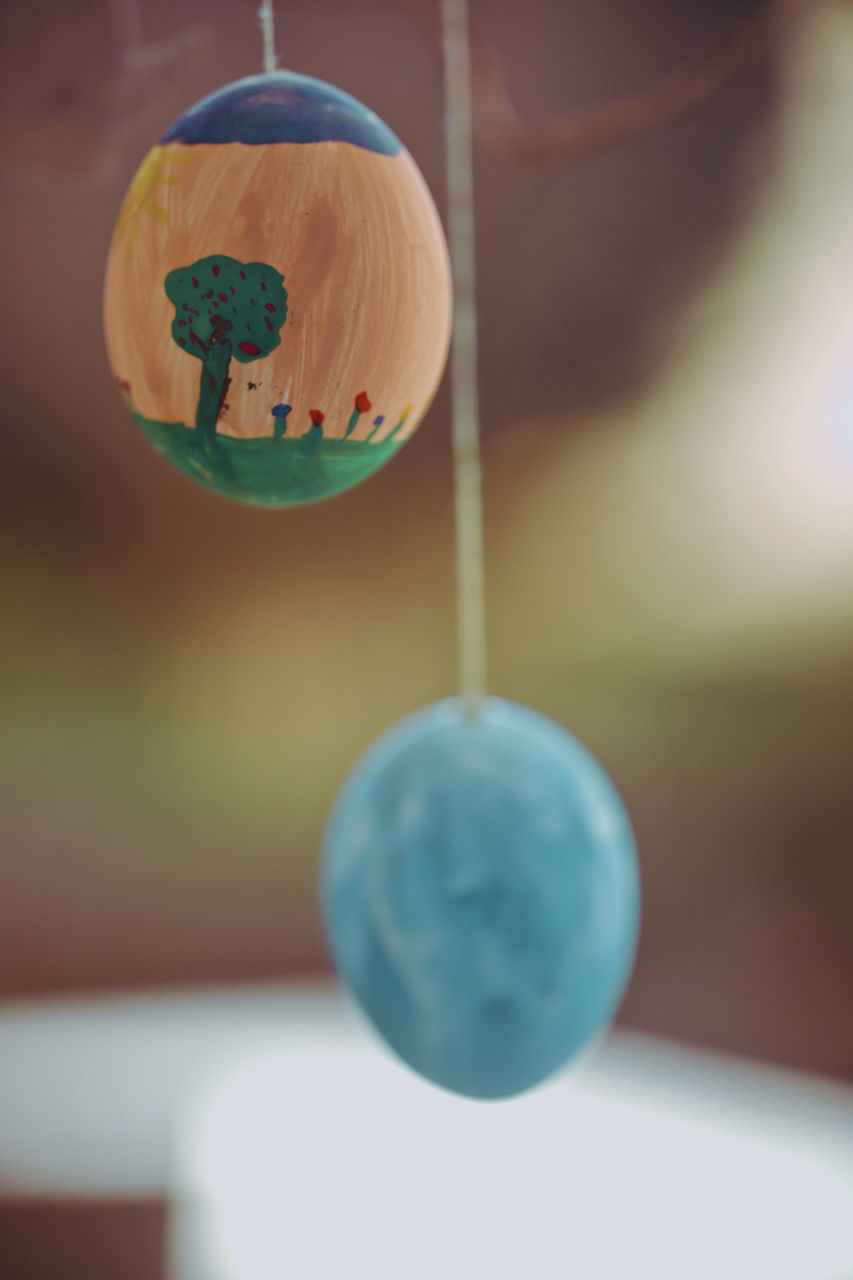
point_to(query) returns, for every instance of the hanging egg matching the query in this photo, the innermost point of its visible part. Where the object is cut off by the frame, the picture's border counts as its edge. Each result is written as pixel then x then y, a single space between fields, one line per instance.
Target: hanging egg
pixel 481 895
pixel 277 296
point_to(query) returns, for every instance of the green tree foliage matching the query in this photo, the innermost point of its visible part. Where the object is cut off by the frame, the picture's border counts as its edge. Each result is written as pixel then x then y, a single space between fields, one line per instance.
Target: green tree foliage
pixel 224 310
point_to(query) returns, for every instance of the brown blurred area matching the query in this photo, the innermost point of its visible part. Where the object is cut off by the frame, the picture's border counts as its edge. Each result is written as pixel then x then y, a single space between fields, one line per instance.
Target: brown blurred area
pixel 667 393
pixel 185 682
pixel 44 1239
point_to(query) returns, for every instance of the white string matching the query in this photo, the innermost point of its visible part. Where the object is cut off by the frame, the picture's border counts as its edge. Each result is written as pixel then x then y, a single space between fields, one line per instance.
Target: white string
pixel 267 17
pixel 470 574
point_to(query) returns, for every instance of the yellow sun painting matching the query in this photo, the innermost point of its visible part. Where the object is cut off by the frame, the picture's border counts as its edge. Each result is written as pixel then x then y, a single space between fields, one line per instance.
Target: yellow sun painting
pixel 141 195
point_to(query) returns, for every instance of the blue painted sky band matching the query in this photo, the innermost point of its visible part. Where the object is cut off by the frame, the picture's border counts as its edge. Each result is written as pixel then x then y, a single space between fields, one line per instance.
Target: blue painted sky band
pixel 282 107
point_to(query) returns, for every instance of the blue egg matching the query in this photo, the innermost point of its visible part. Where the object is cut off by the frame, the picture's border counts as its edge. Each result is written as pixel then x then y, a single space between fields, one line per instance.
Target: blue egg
pixel 481 895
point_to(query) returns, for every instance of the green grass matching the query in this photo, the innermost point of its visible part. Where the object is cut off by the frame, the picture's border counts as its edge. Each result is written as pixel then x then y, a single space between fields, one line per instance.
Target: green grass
pixel 266 471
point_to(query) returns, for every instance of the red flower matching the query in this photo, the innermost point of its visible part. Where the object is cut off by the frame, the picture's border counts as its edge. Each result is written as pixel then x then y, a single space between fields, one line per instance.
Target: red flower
pixel 316 416
pixel 362 403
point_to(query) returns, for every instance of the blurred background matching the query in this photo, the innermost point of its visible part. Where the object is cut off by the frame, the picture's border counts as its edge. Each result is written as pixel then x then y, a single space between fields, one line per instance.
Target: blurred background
pixel 667 396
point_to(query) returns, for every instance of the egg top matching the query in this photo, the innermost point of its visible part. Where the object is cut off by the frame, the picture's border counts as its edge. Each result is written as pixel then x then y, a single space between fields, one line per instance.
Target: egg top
pixel 282 106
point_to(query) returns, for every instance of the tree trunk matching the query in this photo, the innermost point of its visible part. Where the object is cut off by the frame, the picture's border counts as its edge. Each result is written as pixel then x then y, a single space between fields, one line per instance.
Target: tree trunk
pixel 211 395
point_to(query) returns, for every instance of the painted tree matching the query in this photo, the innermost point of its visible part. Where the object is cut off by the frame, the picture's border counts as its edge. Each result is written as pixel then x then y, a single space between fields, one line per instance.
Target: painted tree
pixel 224 310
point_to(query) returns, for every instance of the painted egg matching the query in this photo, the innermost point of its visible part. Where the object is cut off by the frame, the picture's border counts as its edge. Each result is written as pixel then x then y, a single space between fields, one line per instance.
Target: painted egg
pixel 481 895
pixel 277 297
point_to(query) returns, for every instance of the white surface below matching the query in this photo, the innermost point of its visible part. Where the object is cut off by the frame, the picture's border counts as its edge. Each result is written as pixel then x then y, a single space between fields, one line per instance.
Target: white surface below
pixel 325 1160
pixel 295 1147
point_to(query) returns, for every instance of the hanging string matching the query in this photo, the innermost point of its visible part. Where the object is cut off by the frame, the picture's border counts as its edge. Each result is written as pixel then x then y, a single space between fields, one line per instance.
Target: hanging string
pixel 465 411
pixel 267 18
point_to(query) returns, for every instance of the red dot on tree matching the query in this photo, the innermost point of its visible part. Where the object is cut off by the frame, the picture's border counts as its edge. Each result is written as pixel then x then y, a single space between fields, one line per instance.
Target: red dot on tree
pixel 316 416
pixel 269 306
pixel 215 269
pixel 242 275
pixel 195 283
pixel 223 297
pixel 250 348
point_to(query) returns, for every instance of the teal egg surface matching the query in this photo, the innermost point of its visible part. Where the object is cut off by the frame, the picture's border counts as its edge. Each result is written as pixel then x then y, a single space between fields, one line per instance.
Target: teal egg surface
pixel 481 895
